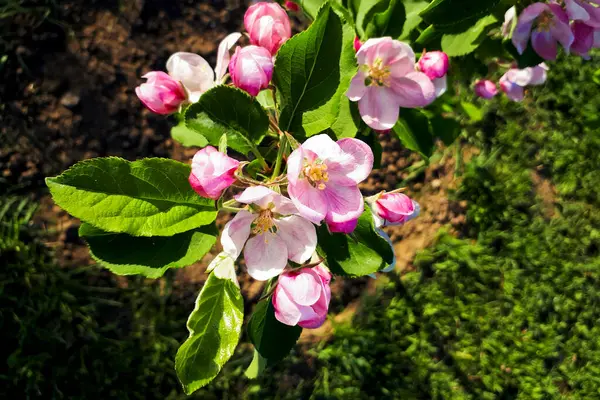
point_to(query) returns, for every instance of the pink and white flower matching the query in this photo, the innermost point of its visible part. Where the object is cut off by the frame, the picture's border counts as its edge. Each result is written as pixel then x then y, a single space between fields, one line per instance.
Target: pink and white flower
pixel 586 11
pixel 515 80
pixel 435 65
pixel 547 25
pixel 387 80
pixel 584 39
pixel 270 232
pixel 212 172
pixel 268 25
pixel 195 73
pixel 323 178
pixel 302 297
pixel 485 89
pixel 251 69
pixel 161 93
pixel 391 209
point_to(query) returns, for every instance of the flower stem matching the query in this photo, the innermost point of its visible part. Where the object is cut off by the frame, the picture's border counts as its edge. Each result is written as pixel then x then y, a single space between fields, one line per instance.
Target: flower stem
pixel 280 153
pixel 259 157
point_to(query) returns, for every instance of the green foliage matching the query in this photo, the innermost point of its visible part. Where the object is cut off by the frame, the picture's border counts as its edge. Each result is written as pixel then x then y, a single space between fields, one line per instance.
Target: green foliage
pixel 188 137
pixel 149 256
pixel 363 252
pixel 272 339
pixel 150 197
pixel 225 110
pixel 413 131
pixel 450 15
pixel 460 44
pixel 215 326
pixel 304 74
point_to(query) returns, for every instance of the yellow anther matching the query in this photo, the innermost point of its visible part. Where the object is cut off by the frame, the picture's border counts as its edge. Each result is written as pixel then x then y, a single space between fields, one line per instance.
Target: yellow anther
pixel 378 73
pixel 545 21
pixel 263 223
pixel 316 174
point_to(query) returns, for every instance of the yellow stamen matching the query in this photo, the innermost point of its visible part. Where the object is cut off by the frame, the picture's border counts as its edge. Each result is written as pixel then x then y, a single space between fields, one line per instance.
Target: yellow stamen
pixel 317 175
pixel 378 74
pixel 264 223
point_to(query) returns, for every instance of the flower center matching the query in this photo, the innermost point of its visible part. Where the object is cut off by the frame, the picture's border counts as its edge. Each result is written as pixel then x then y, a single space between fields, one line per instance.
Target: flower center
pixel 378 74
pixel 545 21
pixel 317 175
pixel 264 223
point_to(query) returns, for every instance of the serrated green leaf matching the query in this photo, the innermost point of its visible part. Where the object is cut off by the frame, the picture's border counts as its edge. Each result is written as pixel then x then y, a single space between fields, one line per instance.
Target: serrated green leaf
pixel 225 110
pixel 466 42
pixel 413 19
pixel 149 197
pixel 215 326
pixel 123 254
pixel 387 19
pixel 413 131
pixel 187 137
pixel 272 339
pixel 337 113
pixel 362 253
pixel 446 15
pixel 304 75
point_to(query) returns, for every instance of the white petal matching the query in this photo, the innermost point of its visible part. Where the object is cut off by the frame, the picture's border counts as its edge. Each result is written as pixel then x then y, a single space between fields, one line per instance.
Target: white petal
pixel 300 237
pixel 223 55
pixel 266 256
pixel 236 232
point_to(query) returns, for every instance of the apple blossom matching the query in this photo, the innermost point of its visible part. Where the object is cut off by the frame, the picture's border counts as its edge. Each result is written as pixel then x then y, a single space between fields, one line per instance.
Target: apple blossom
pixel 323 178
pixel 161 93
pixel 195 73
pixel 584 39
pixel 302 297
pixel 514 81
pixel 485 89
pixel 268 25
pixel 270 232
pixel 586 11
pixel 434 64
pixel 387 80
pixel 547 25
pixel 251 69
pixel 212 172
pixel 391 209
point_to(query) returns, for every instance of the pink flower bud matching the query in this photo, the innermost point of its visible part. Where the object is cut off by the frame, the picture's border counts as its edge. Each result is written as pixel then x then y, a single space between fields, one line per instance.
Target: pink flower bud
pixel 485 89
pixel 342 227
pixel 212 172
pixel 293 7
pixel 302 297
pixel 434 64
pixel 393 209
pixel 161 93
pixel 268 25
pixel 251 69
pixel 357 43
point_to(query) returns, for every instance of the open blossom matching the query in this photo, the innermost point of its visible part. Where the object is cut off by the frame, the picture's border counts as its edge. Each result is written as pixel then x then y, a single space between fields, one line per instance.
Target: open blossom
pixel 212 172
pixel 514 81
pixel 270 232
pixel 391 209
pixel 268 25
pixel 302 297
pixel 586 11
pixel 251 69
pixel 485 89
pixel 195 73
pixel 387 80
pixel 323 178
pixel 161 93
pixel 435 65
pixel 547 24
pixel 510 18
pixel 584 39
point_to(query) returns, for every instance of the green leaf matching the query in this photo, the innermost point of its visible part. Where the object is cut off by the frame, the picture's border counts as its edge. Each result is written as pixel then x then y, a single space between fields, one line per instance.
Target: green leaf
pixel 413 131
pixel 362 253
pixel 215 326
pixel 447 15
pixel 387 19
pixel 123 254
pixel 413 19
pixel 150 197
pixel 447 129
pixel 338 113
pixel 187 136
pixel 474 113
pixel 256 367
pixel 466 42
pixel 225 110
pixel 311 7
pixel 272 339
pixel 304 74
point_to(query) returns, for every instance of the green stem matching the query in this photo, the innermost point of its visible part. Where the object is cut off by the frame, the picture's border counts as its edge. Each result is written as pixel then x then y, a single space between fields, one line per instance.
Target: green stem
pixel 259 157
pixel 280 153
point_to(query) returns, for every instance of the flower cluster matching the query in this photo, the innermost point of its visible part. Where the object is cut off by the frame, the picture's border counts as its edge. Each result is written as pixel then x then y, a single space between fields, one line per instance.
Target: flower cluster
pixel 513 82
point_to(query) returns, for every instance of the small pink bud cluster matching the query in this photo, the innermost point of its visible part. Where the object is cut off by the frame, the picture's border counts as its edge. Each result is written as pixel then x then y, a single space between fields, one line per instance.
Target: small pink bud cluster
pixel 513 82
pixel 575 27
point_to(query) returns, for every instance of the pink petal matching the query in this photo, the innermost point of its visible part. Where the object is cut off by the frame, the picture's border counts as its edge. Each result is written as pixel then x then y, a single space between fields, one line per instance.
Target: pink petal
pixel 286 311
pixel 342 227
pixel 360 158
pixel 576 11
pixel 441 86
pixel 259 195
pixel 236 232
pixel 563 34
pixel 223 55
pixel 522 31
pixel 303 287
pixel 344 203
pixel 539 74
pixel 193 71
pixel 544 44
pixel 379 107
pixel 300 237
pixel 323 273
pixel 323 146
pixel 313 317
pixel 414 90
pixel 310 202
pixel 357 87
pixel 295 163
pixel 266 256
